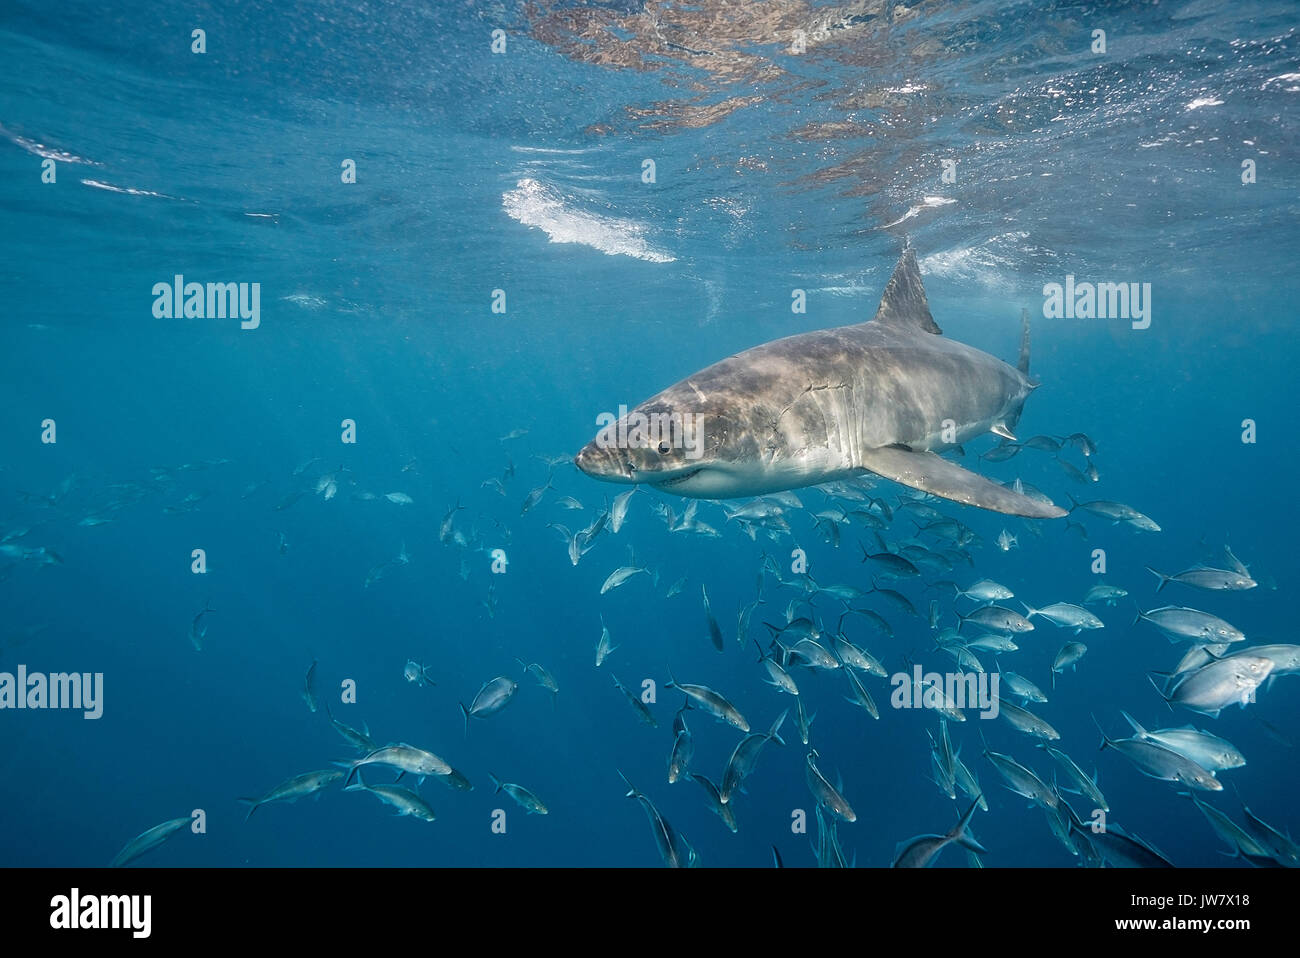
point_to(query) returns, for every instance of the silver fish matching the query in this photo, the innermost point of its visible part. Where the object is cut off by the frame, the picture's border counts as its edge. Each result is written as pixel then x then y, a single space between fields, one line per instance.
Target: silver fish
pixel 994 618
pixel 711 702
pixel 618 511
pixel 1116 512
pixel 535 496
pixel 309 688
pixel 1066 616
pixel 679 759
pixel 1002 452
pixel 1121 850
pixel 199 628
pixel 1240 841
pixel 1021 687
pixel 814 655
pixel 993 642
pixel 891 565
pixel 1019 779
pixel 1068 657
pixel 744 758
pixel 966 660
pixel 604 646
pixel 405 758
pixel 897 599
pixel 1088 786
pixel 944 759
pixel 1279 846
pixel 293 788
pixel 1201 577
pixel 456 780
pixel 522 796
pixel 643 713
pixel 1223 682
pixel 860 696
pixel 1109 594
pixel 778 677
pixel 1025 721
pixel 965 779
pixel 1153 759
pixel 672 848
pixel 1083 444
pixel 543 677
pixel 715 633
pixel 826 794
pixel 491 698
pixel 619 576
pixel 148 840
pixel 924 850
pixel 1043 444
pixel 720 808
pixel 417 673
pixel 403 799
pixel 1285 658
pixel 360 740
pixel 855 657
pixel 876 620
pixel 803 721
pixel 742 620
pixel 986 590
pixel 1189 625
pixel 1208 751
pixel 447 527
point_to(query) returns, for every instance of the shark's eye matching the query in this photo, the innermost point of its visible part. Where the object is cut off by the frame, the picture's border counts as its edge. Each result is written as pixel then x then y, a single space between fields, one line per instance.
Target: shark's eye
pixel 663 448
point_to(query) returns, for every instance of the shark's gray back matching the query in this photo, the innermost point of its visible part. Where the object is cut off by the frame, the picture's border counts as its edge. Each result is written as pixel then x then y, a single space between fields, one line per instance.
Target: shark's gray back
pixel 868 385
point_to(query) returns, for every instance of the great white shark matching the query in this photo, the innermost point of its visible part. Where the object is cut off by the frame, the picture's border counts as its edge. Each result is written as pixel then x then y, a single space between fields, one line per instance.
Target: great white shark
pixel 883 397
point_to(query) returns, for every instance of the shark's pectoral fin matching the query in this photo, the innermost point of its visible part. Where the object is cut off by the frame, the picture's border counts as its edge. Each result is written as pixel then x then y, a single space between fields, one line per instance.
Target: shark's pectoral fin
pixel 1000 429
pixel 939 477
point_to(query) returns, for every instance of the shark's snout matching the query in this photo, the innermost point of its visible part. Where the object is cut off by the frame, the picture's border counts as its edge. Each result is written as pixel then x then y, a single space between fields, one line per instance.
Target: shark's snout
pixel 604 463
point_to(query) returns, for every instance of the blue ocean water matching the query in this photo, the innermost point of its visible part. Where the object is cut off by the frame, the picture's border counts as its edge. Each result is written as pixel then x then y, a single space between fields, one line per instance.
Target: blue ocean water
pixel 525 171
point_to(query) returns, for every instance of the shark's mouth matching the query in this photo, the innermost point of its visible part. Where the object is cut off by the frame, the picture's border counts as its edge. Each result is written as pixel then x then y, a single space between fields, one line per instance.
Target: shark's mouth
pixel 669 483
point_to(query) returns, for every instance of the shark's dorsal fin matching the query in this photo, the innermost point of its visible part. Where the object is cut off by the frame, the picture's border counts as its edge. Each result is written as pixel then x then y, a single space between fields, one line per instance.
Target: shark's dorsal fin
pixel 904 302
